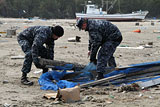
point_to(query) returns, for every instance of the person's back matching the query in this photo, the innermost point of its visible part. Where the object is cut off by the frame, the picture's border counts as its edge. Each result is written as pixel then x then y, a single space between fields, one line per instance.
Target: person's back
pixel 105 29
pixel 31 32
pixel 104 37
pixel 32 42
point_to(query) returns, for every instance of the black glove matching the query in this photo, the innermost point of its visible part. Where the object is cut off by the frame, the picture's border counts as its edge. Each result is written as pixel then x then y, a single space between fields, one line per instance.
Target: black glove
pixel 93 61
pixel 37 64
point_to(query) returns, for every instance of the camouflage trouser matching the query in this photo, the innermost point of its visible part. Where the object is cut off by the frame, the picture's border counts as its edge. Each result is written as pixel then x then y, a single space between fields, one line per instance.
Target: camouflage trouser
pixel 26 48
pixel 105 56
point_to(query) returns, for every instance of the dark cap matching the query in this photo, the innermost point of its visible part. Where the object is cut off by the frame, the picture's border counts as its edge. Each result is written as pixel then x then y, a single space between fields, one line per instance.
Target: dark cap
pixel 58 30
pixel 80 22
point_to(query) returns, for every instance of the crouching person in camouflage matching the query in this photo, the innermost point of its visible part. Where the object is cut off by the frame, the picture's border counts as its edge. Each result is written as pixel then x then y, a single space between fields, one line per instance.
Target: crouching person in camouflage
pixel 103 36
pixel 32 42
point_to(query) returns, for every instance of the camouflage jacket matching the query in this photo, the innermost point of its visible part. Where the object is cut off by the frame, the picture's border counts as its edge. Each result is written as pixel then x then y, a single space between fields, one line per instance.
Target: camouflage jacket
pixel 38 36
pixel 101 31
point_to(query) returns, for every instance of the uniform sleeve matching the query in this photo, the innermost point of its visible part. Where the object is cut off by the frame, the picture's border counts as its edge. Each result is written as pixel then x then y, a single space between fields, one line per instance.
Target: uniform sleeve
pixel 89 45
pixel 95 42
pixel 37 43
pixel 50 52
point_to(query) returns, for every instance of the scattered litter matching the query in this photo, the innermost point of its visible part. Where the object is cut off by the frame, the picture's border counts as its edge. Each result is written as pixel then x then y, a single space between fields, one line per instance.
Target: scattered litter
pixel 140 47
pixel 6 105
pixel 11 32
pixel 50 96
pixel 38 71
pixel 137 24
pixel 3 32
pixel 123 46
pixel 5 82
pixel 150 97
pixel 3 41
pixel 65 95
pixel 152 23
pixel 109 102
pixel 140 95
pixel 148 46
pixel 150 43
pixel 127 88
pixel 138 31
pixel 111 96
pixel 17 57
pixel 158 37
pixel 156 31
pixel 74 39
pixel 63 47
pixel 87 98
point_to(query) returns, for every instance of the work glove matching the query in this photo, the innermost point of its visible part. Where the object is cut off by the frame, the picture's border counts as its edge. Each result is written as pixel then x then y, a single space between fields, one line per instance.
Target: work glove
pixel 93 61
pixel 37 64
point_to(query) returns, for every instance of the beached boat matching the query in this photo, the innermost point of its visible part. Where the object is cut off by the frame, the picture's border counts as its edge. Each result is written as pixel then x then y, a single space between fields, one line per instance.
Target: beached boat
pixel 93 12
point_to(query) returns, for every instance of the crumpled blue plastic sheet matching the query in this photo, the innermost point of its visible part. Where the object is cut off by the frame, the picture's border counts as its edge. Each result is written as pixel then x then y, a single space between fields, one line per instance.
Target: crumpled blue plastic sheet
pixel 85 76
pixel 47 84
pixel 46 79
pixel 89 67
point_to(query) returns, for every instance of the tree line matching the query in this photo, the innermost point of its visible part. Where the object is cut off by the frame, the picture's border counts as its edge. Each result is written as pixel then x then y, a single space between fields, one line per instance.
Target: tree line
pixel 66 9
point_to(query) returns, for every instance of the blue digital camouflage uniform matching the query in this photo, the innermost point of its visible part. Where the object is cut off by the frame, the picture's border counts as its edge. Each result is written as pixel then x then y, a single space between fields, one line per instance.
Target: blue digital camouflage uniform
pixel 104 37
pixel 32 42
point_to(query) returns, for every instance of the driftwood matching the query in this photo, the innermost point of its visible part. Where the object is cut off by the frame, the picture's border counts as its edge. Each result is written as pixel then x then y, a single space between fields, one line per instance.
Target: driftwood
pixel 50 63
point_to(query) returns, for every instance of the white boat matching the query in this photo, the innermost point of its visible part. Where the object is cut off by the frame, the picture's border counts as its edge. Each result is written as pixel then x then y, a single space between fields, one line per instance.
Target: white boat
pixel 93 12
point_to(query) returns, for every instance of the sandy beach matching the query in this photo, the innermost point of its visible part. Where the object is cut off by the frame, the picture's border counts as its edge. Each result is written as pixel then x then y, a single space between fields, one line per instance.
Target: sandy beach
pixel 13 94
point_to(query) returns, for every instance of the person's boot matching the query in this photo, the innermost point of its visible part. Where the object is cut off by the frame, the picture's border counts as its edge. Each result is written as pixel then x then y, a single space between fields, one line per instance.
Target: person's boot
pixel 25 81
pixel 99 76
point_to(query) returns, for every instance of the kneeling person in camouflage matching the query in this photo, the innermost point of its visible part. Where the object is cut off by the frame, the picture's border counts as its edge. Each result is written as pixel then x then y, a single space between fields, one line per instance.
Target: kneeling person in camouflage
pixel 32 42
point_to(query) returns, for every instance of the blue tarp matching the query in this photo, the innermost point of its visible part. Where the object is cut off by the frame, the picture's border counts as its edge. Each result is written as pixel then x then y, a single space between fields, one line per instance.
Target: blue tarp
pixel 46 79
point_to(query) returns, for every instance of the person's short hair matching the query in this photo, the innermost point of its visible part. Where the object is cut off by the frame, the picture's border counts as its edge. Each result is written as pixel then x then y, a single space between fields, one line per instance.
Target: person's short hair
pixel 58 30
pixel 80 22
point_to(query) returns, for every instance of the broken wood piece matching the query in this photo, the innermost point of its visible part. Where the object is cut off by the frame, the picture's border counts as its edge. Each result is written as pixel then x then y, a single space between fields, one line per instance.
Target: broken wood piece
pixel 50 95
pixel 74 39
pixel 51 63
pixel 102 81
pixel 17 57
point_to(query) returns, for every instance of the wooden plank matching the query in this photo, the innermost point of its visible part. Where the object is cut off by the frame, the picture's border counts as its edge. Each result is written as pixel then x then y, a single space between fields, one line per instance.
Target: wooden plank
pixel 48 62
pixel 101 81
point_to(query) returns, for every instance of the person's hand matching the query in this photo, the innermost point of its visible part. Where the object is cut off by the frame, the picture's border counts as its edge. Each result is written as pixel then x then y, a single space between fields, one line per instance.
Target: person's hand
pixel 37 64
pixel 89 53
pixel 94 61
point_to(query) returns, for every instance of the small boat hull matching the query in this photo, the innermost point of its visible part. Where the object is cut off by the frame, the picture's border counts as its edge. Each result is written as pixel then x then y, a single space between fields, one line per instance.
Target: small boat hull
pixel 140 15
